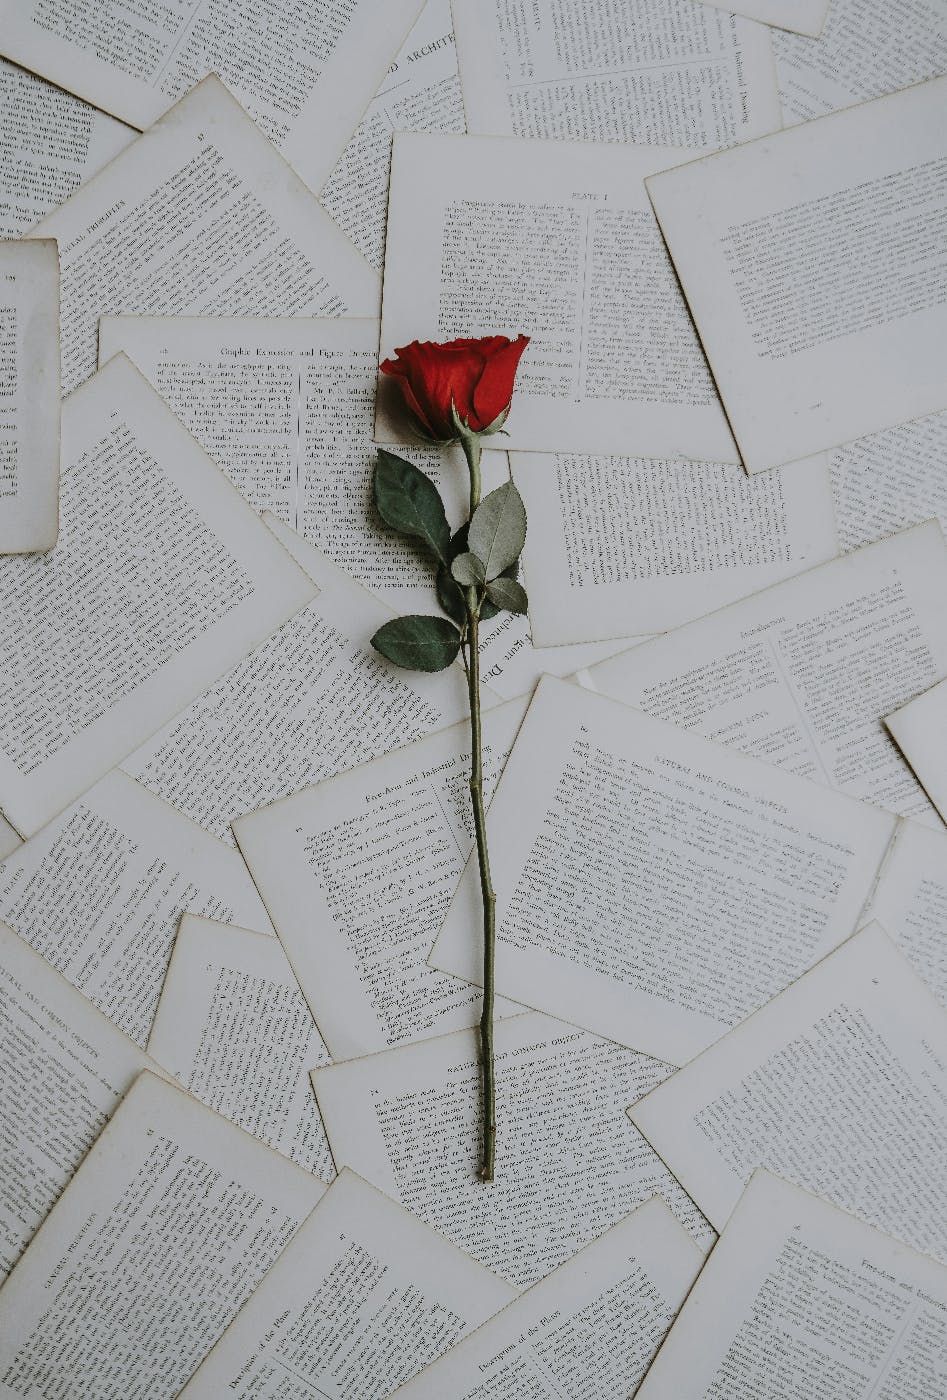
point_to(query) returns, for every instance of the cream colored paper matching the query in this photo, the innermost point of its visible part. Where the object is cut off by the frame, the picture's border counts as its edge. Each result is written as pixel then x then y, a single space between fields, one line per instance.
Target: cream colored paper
pixel 802 674
pixel 163 578
pixel 357 873
pixel 672 74
pixel 814 273
pixel 233 1027
pixel 165 1230
pixel 29 395
pixel 100 891
pixel 839 1084
pixel 556 241
pixel 920 731
pixel 63 1068
pixel 567 1166
pixel 311 701
pixel 800 1295
pixel 50 142
pixel 305 77
pixel 590 1328
pixel 651 886
pixel 200 215
pixel 619 544
pixel 361 1299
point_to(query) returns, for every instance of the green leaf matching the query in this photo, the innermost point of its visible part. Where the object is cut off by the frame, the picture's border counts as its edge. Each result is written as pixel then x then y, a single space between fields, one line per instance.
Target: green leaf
pixel 449 596
pixel 507 593
pixel 497 530
pixel 418 643
pixel 410 503
pixel 467 570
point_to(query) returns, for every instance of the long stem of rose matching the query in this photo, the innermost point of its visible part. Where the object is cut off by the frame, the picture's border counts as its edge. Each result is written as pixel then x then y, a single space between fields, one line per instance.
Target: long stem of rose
pixel 471 446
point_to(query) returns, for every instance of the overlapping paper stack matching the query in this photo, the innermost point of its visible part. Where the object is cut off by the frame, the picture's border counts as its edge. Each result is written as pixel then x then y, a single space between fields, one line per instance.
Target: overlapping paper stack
pixel 238 958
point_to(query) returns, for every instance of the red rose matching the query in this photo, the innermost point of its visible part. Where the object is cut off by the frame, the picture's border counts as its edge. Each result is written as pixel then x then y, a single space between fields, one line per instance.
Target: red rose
pixel 475 375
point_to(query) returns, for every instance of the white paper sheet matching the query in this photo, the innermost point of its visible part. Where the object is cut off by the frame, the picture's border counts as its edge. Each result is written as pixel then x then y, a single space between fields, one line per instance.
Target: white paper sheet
pixel 29 395
pixel 801 16
pixel 50 142
pixel 167 1227
pixel 296 71
pixel 557 241
pixel 63 1068
pixel 634 544
pixel 357 873
pixel 920 730
pixel 420 92
pixel 361 1299
pixel 199 215
pixel 814 273
pixel 802 674
pixel 667 72
pixel 591 1328
pixel 163 578
pixel 865 50
pixel 889 480
pixel 910 901
pixel 651 886
pixel 839 1084
pixel 311 701
pixel 803 1300
pixel 567 1167
pixel 100 890
pixel 233 1027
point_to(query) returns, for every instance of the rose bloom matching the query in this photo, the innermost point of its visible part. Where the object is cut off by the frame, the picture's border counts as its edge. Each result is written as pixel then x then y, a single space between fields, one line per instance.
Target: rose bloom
pixel 476 375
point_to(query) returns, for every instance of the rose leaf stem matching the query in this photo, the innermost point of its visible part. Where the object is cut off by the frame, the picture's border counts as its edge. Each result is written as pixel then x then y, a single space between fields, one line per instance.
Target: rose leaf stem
pixel 471 446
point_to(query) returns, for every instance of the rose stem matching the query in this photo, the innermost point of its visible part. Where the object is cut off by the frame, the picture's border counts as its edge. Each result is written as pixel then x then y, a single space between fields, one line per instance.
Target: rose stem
pixel 471 446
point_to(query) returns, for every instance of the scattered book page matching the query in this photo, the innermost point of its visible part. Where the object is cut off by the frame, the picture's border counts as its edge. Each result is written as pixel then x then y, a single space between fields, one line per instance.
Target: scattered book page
pixel 839 1084
pixel 651 886
pixel 359 1300
pixel 9 839
pixel 800 16
pixel 29 395
pixel 865 50
pixel 559 240
pixel 802 674
pixel 296 73
pixel 50 143
pixel 920 730
pixel 802 1300
pixel 815 273
pixel 99 893
pixel 314 699
pixel 63 1068
pixel 285 406
pixel 199 215
pixel 636 544
pixel 889 480
pixel 357 873
pixel 420 92
pixel 671 73
pixel 233 1027
pixel 591 1328
pixel 163 1233
pixel 910 901
pixel 162 580
pixel 408 1120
